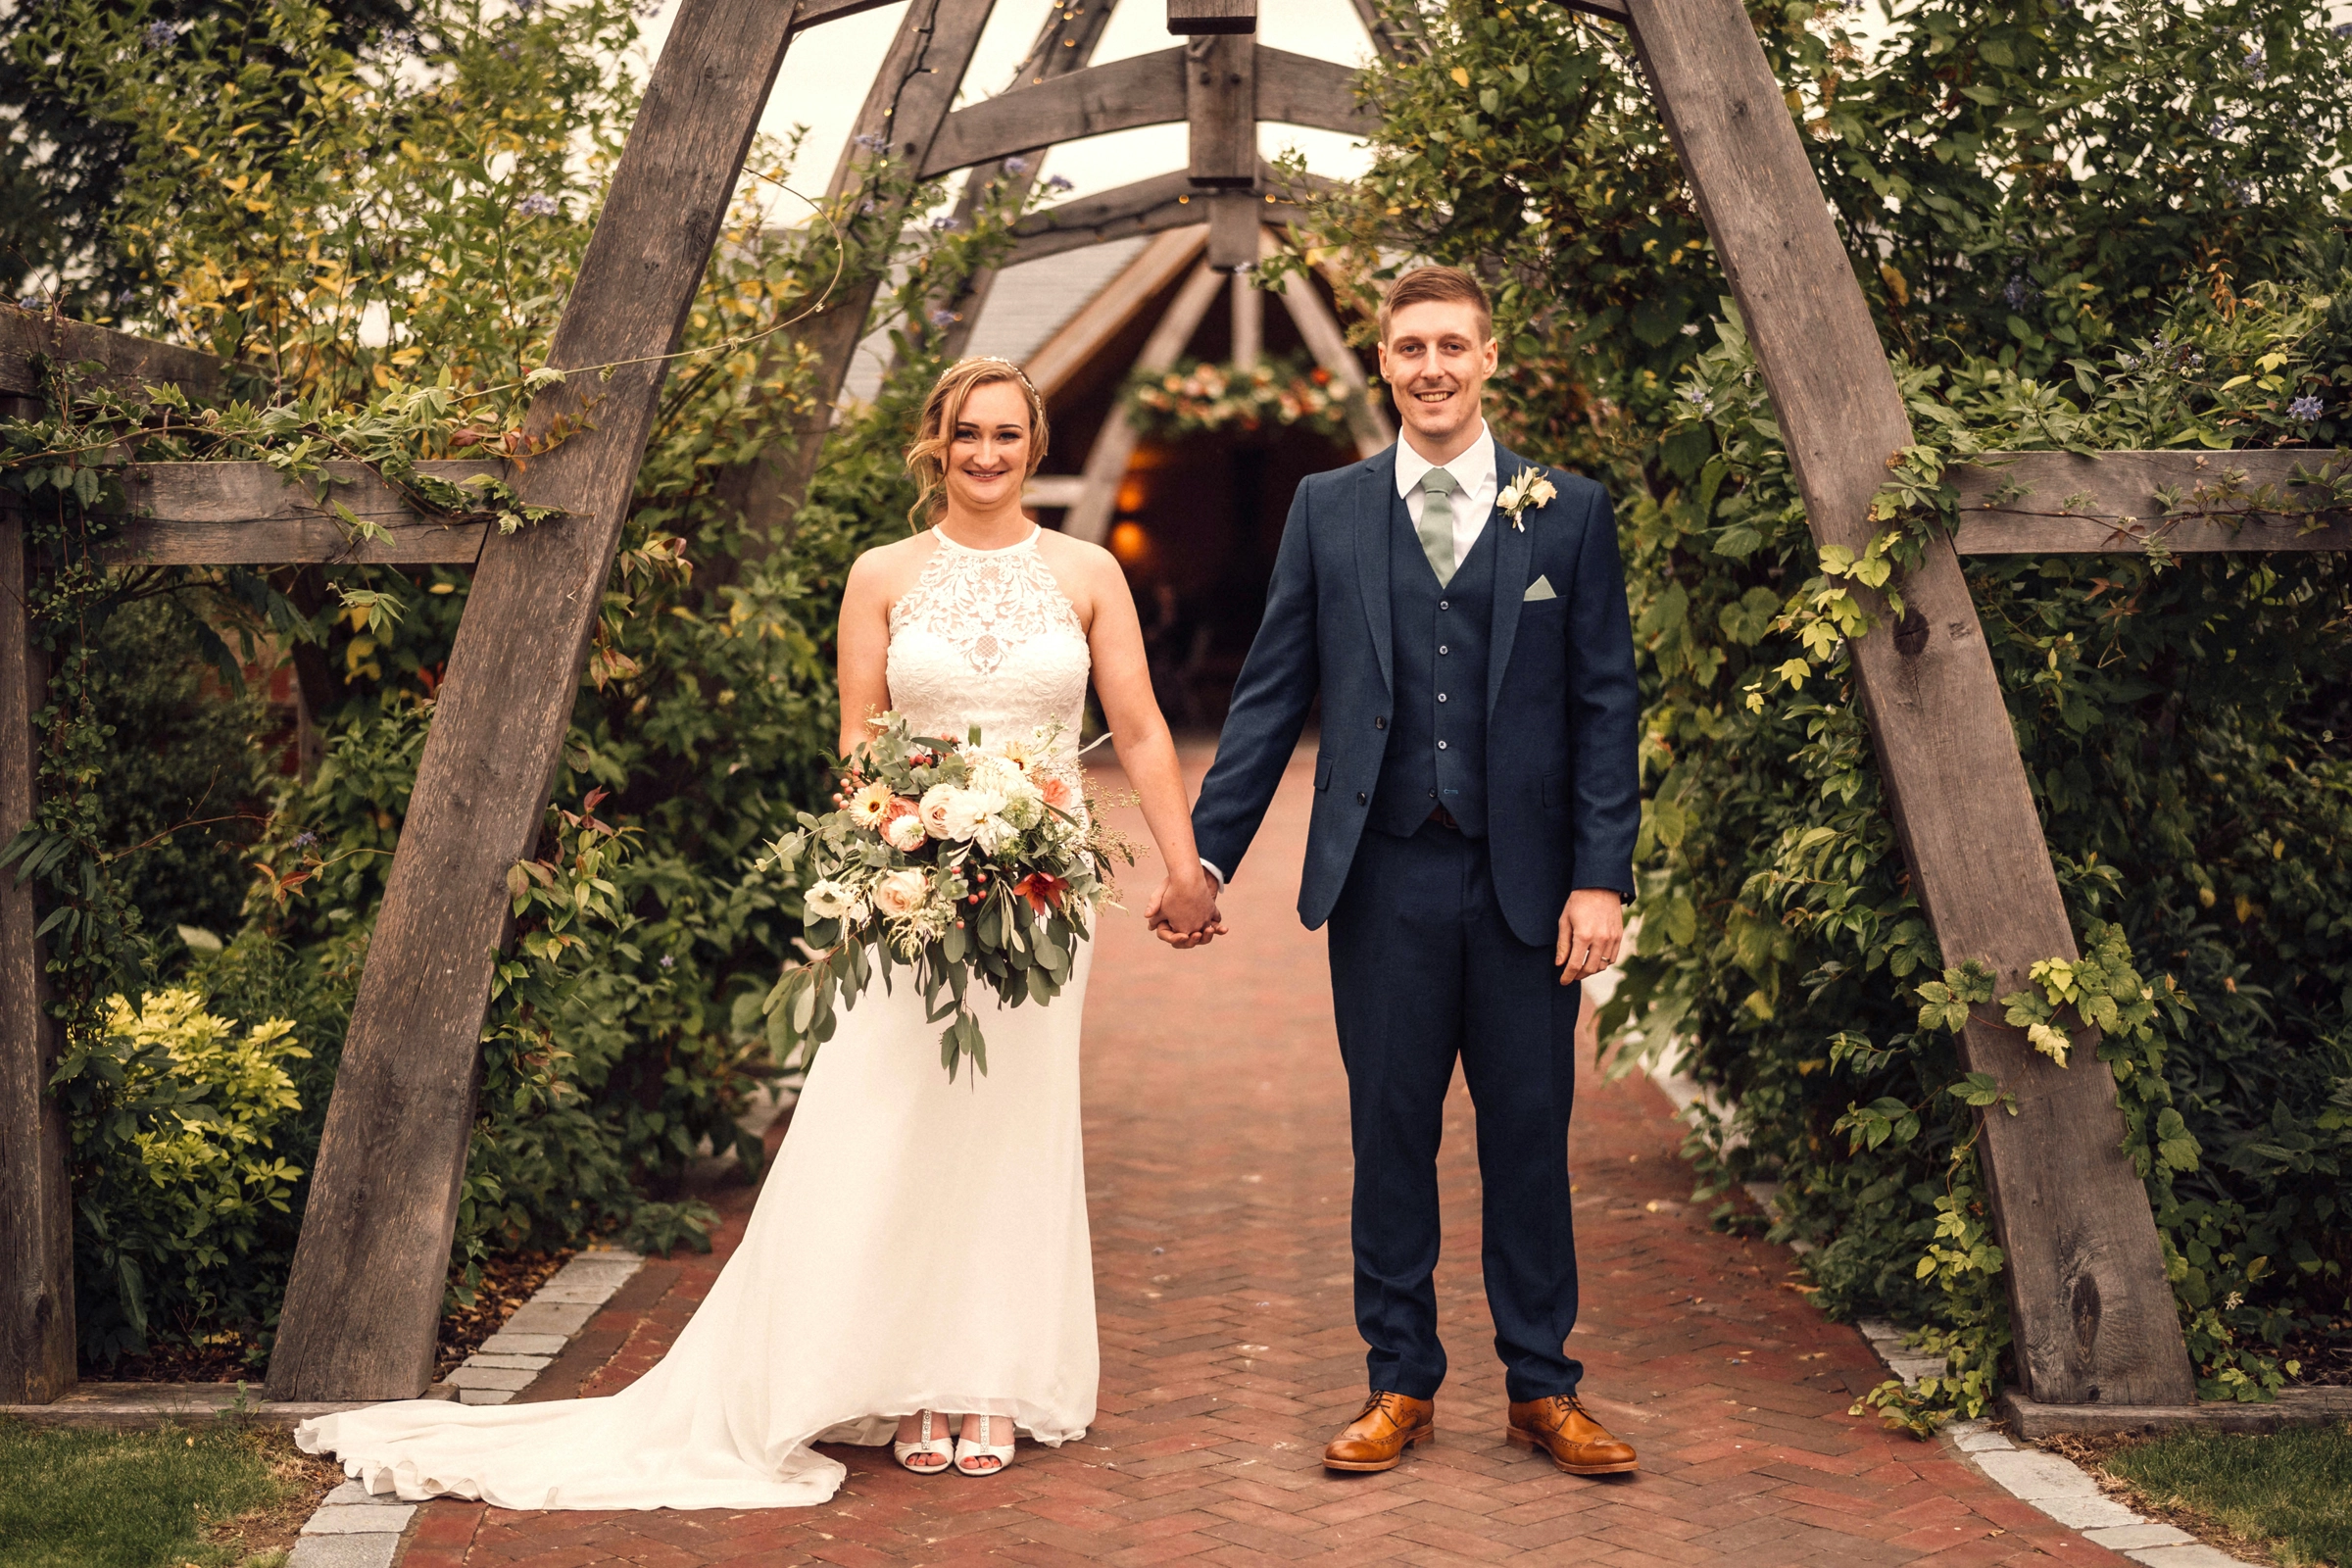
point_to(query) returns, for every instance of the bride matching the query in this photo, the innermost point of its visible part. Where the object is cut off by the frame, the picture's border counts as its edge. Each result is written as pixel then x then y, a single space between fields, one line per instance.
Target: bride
pixel 918 1255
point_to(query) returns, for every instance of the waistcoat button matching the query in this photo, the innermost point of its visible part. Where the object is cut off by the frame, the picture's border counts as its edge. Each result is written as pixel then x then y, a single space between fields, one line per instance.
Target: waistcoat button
pixel 1441 648
pixel 1440 697
pixel 1441 746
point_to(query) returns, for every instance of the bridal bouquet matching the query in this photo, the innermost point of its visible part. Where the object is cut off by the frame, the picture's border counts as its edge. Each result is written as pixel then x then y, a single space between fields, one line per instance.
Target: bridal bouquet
pixel 972 865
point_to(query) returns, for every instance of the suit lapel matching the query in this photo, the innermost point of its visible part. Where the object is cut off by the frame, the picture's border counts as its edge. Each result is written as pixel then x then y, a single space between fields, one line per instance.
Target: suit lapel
pixel 1513 549
pixel 1376 496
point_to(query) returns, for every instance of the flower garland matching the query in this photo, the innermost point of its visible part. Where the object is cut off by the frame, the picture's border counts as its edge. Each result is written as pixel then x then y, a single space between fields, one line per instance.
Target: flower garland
pixel 1199 398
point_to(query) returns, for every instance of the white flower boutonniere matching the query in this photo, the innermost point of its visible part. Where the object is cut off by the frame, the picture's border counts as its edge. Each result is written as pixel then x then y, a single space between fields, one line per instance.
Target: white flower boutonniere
pixel 1530 489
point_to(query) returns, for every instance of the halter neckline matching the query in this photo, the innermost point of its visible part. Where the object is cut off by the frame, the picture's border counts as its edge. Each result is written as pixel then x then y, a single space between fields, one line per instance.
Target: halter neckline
pixel 949 543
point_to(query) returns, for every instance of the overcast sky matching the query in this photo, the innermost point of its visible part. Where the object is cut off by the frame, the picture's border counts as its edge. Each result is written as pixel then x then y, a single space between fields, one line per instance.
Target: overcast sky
pixel 828 70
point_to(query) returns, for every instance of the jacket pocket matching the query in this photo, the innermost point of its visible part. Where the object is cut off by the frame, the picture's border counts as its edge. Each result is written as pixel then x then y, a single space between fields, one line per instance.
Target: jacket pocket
pixel 1556 791
pixel 1323 772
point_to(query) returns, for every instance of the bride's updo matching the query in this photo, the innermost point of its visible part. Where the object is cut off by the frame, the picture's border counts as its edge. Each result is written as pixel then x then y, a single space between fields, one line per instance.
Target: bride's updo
pixel 927 459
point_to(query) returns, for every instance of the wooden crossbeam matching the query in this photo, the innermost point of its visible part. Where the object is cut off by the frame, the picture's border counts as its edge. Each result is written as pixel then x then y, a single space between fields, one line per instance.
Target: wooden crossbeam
pixel 1149 90
pixel 2043 502
pixel 2090 1302
pixel 1148 207
pixel 250 514
pixel 126 362
pixel 365 1296
pixel 1225 17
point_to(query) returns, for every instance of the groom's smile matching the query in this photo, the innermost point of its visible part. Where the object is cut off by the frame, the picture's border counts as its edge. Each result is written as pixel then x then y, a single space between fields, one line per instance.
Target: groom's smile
pixel 1436 355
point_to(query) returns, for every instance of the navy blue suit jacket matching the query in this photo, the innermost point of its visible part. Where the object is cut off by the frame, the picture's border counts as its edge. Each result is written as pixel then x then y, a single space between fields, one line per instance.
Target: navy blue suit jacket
pixel 1563 781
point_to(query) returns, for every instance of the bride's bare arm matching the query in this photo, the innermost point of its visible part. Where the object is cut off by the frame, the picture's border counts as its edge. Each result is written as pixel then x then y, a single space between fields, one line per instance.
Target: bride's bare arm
pixel 862 645
pixel 1187 903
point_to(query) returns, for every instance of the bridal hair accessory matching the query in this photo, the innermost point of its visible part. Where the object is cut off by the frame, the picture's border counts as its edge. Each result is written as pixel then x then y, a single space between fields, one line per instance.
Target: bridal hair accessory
pixel 999 359
pixel 972 865
pixel 1530 489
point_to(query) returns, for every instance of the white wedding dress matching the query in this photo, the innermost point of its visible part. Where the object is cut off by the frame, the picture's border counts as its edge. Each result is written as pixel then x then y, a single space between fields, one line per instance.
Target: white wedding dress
pixel 919 1244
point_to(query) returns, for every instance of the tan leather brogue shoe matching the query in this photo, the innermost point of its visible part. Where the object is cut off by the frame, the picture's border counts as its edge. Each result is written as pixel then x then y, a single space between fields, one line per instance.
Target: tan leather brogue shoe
pixel 1577 1444
pixel 1376 1439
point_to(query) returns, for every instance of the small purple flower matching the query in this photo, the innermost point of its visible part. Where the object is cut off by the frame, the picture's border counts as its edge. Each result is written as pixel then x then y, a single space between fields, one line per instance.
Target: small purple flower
pixel 866 206
pixel 537 205
pixel 2305 407
pixel 2129 362
pixel 645 10
pixel 160 34
pixel 2254 65
pixel 32 302
pixel 303 840
pixel 873 143
pixel 942 225
pixel 524 8
pixel 1016 165
pixel 943 318
pixel 2242 191
pixel 1056 184
pixel 2342 29
pixel 2019 291
pixel 670 961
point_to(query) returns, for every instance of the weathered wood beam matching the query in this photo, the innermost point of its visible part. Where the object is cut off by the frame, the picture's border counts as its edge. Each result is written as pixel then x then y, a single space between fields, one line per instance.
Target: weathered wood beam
pixel 1114 444
pixel 2092 1310
pixel 2037 503
pixel 1065 46
pixel 1247 309
pixel 906 105
pixel 130 362
pixel 1144 90
pixel 248 514
pixel 368 1273
pixel 36 1206
pixel 1327 341
pixel 1140 90
pixel 1113 308
pixel 1194 17
pixel 1148 207
pixel 1220 99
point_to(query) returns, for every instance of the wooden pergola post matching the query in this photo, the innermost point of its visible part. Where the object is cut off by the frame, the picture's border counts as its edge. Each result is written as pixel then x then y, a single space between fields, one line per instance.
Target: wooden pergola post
pixel 365 1299
pixel 2091 1306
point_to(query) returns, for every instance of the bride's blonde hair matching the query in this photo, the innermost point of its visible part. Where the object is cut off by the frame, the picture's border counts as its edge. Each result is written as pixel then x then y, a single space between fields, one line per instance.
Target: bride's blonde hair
pixel 927 459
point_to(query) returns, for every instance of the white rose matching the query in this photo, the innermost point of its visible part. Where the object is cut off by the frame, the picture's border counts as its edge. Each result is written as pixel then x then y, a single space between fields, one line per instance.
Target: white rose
pixel 902 893
pixel 828 900
pixel 951 813
pixel 904 833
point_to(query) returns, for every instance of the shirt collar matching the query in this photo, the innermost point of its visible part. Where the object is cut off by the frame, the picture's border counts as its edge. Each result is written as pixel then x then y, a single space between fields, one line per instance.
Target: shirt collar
pixel 1470 467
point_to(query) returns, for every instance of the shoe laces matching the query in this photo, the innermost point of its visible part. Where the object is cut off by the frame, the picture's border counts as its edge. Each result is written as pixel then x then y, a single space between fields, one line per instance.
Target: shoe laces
pixel 1379 1401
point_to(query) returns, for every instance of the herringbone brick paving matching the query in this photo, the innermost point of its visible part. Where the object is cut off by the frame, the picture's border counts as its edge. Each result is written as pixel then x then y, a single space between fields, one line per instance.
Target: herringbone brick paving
pixel 1218 1179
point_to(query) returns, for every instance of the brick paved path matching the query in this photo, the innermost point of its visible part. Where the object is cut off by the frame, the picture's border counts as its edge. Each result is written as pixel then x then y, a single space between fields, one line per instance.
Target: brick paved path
pixel 1218 1175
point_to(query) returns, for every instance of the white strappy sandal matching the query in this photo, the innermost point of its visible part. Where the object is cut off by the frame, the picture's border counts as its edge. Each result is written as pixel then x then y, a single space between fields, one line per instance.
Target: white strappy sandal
pixel 968 1449
pixel 941 1448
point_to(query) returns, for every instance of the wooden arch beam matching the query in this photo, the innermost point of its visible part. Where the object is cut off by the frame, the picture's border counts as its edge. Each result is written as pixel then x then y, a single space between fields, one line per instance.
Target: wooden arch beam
pixel 364 1297
pixel 1148 207
pixel 2092 1310
pixel 1140 90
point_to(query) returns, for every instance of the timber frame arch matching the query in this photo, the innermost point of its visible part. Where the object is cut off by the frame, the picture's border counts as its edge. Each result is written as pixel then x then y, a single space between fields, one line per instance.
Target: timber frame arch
pixel 2092 1310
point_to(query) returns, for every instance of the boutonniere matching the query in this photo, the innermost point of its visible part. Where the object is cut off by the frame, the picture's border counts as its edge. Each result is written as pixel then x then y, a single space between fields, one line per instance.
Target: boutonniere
pixel 1530 489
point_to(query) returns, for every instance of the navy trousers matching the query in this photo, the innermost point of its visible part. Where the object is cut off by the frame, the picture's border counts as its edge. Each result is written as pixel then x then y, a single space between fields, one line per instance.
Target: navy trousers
pixel 1425 968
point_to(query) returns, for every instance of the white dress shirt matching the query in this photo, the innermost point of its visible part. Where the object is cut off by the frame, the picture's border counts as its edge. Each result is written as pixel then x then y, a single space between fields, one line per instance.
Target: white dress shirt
pixel 1473 471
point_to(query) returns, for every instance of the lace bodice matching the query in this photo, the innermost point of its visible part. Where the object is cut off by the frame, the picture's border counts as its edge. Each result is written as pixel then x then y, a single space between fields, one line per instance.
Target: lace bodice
pixel 987 637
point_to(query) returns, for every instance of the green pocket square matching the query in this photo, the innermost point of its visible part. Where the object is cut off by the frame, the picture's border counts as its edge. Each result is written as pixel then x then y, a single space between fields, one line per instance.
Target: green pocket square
pixel 1538 590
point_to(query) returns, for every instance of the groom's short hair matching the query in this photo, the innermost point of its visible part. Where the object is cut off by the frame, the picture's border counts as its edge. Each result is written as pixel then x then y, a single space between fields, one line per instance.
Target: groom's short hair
pixel 1449 284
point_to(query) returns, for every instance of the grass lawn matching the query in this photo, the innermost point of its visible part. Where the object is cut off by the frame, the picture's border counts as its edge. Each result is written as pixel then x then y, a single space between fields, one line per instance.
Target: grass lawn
pixel 214 1497
pixel 2292 1491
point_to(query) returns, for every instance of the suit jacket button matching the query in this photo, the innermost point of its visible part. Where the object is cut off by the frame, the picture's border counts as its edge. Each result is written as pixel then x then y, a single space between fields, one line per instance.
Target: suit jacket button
pixel 1359 796
pixel 1381 722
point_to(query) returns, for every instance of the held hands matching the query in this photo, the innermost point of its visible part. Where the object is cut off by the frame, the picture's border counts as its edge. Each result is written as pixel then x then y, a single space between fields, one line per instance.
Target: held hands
pixel 1591 928
pixel 1184 911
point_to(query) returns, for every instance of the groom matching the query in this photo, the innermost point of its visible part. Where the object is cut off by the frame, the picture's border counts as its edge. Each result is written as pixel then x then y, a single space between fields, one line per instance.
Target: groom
pixel 1475 800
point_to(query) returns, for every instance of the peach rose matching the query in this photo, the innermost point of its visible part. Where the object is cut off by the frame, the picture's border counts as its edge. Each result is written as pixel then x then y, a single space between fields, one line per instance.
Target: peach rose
pixel 902 893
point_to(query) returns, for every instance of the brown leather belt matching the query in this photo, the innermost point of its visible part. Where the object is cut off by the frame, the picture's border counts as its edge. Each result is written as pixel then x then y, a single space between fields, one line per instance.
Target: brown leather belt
pixel 1444 818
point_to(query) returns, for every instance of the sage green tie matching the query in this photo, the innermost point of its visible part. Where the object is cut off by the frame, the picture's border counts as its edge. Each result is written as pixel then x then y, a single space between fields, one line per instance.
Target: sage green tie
pixel 1438 489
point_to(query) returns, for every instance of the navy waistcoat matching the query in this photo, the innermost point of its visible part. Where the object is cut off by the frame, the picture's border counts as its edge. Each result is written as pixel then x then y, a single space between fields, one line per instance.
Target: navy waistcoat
pixel 1437 752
